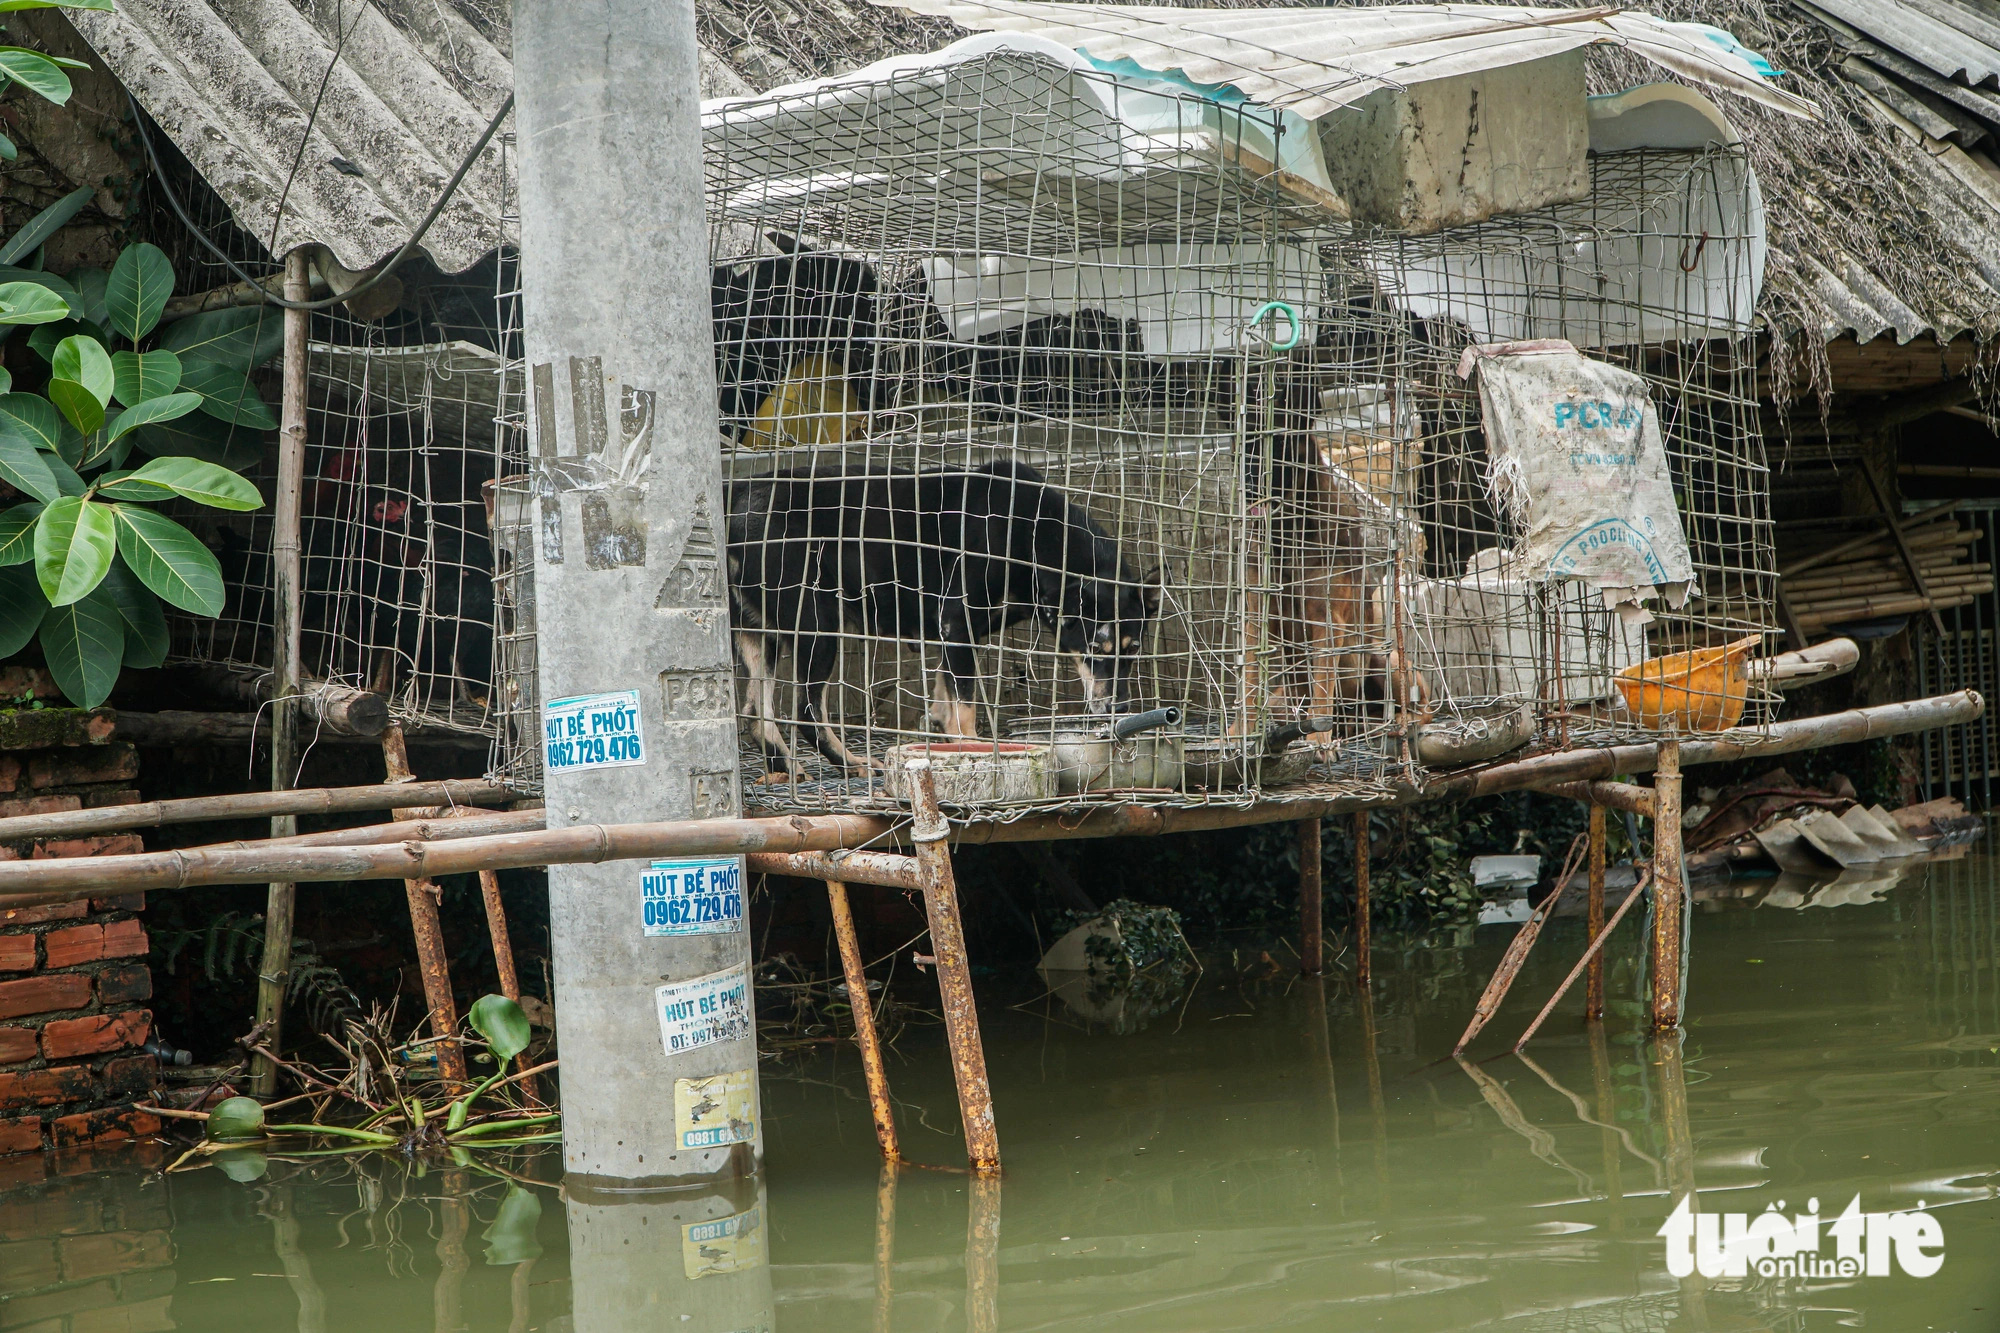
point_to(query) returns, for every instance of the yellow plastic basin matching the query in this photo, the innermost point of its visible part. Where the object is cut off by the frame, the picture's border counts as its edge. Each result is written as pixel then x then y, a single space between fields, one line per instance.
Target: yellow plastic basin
pixel 1702 690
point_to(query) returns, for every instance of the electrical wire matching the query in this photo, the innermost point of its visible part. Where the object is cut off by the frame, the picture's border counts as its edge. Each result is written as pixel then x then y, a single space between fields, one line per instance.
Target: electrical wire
pixel 451 186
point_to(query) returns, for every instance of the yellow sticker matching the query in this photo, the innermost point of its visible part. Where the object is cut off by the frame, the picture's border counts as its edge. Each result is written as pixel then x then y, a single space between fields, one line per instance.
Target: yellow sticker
pixel 726 1245
pixel 716 1112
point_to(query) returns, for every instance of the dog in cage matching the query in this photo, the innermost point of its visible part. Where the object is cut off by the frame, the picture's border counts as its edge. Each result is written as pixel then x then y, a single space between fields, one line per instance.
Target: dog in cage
pixel 795 337
pixel 948 558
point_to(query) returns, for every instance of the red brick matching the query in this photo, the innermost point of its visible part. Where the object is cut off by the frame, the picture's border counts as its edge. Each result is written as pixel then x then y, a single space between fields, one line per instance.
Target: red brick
pixel 44 995
pixel 40 805
pixel 30 681
pixel 126 984
pixel 10 773
pixel 45 1087
pixel 18 1044
pixel 67 1037
pixel 125 939
pixel 22 1170
pixel 115 844
pixel 75 768
pixel 97 798
pixel 87 944
pixel 153 1316
pixel 113 1252
pixel 131 1076
pixel 124 902
pixel 28 1264
pixel 22 1135
pixel 54 1214
pixel 17 953
pixel 94 1127
pixel 35 916
pixel 50 1304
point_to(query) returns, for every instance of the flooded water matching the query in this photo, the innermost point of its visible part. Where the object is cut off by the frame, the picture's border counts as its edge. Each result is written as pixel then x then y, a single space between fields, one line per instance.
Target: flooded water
pixel 1261 1153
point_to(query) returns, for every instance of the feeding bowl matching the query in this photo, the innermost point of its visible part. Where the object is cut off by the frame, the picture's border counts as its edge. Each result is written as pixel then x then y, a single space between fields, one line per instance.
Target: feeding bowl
pixel 1701 690
pixel 975 772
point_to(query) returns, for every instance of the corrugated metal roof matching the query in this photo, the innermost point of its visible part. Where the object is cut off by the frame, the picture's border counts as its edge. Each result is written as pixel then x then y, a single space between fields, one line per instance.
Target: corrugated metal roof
pixel 234 83
pixel 1952 39
pixel 1313 60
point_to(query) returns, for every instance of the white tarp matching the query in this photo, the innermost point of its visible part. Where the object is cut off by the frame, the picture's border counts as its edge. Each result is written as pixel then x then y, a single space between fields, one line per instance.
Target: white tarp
pixel 1576 462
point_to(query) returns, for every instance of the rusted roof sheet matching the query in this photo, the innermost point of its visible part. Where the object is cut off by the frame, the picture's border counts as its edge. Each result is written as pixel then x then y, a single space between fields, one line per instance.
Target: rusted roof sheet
pixel 235 84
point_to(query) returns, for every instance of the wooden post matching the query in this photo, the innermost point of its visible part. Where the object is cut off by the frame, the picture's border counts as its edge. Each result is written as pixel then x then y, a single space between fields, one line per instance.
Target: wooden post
pixel 1312 946
pixel 930 834
pixel 1593 989
pixel 274 969
pixel 1362 945
pixel 863 1009
pixel 1668 889
pixel 422 896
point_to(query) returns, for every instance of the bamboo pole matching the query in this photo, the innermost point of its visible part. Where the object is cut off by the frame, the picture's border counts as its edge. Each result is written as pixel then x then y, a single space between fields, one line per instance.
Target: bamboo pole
pixel 1312 944
pixel 458 824
pixel 274 968
pixel 25 883
pixel 247 805
pixel 1364 948
pixel 881 868
pixel 1866 540
pixel 1626 796
pixel 930 832
pixel 1593 994
pixel 1668 889
pixel 862 1007
pixel 421 893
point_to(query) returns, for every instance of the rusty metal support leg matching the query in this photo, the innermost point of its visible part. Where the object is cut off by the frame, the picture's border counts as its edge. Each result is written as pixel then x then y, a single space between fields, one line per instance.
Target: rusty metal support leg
pixel 863 1009
pixel 422 896
pixel 503 960
pixel 1362 944
pixel 885 1247
pixel 930 834
pixel 1669 890
pixel 1593 986
pixel 982 1255
pixel 1312 942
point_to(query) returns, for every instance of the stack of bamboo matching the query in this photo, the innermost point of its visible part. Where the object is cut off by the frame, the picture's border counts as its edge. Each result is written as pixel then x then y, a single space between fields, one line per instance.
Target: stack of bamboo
pixel 1866 577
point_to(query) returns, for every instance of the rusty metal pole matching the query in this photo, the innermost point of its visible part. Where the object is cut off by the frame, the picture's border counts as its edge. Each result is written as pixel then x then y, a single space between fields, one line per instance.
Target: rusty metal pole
pixel 931 833
pixel 422 896
pixel 885 1247
pixel 863 1009
pixel 1362 945
pixel 1593 987
pixel 1312 942
pixel 982 1255
pixel 1669 890
pixel 503 941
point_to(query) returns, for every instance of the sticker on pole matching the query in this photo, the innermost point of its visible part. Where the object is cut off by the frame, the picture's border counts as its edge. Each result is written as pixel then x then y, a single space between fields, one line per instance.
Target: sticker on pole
pixel 726 1245
pixel 715 1112
pixel 591 731
pixel 696 896
pixel 705 1010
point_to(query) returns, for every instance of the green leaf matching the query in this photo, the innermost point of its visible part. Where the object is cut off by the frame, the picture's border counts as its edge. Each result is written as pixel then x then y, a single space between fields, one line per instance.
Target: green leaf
pixel 89 284
pixel 146 640
pixel 44 340
pixel 74 543
pixel 169 408
pixel 170 560
pixel 203 483
pixel 33 418
pixel 35 72
pixel 501 1022
pixel 17 535
pixel 242 339
pixel 137 376
pixel 30 303
pixel 81 359
pixel 236 1118
pixel 79 406
pixel 511 1238
pixel 121 486
pixel 26 468
pixel 9 150
pixel 243 1165
pixel 67 481
pixel 227 394
pixel 100 450
pixel 199 435
pixel 22 608
pixel 43 225
pixel 141 282
pixel 84 645
pixel 6 381
pixel 61 286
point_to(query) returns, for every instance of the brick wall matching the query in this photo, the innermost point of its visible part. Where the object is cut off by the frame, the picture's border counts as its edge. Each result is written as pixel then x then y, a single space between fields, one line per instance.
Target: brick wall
pixel 73 976
pixel 85 1246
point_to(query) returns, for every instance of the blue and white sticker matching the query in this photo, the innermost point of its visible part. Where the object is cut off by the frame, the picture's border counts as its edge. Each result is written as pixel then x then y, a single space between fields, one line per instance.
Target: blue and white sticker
pixel 696 896
pixel 592 731
pixel 704 1010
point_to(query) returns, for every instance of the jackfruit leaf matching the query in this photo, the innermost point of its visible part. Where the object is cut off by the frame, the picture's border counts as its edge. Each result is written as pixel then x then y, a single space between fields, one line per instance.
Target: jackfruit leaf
pixel 26 468
pixel 81 359
pixel 121 486
pixel 137 376
pixel 170 560
pixel 227 394
pixel 43 225
pixel 17 535
pixel 169 407
pixel 67 480
pixel 511 1238
pixel 6 381
pixel 44 340
pixel 203 483
pixel 141 282
pixel 30 303
pixel 146 640
pixel 79 406
pixel 241 339
pixel 89 285
pixel 74 545
pixel 56 283
pixel 84 645
pixel 22 608
pixel 236 1118
pixel 9 150
pixel 501 1022
pixel 35 72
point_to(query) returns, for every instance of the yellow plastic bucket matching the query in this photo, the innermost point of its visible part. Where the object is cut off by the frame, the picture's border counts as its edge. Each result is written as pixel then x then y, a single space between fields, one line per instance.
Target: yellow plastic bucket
pixel 1702 690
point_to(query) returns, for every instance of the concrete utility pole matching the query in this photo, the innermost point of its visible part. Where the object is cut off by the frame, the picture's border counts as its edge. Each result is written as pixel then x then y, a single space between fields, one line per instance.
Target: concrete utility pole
pixel 651 963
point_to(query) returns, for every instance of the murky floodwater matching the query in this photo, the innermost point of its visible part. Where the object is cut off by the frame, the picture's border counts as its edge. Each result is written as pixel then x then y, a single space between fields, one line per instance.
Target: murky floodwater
pixel 1264 1154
